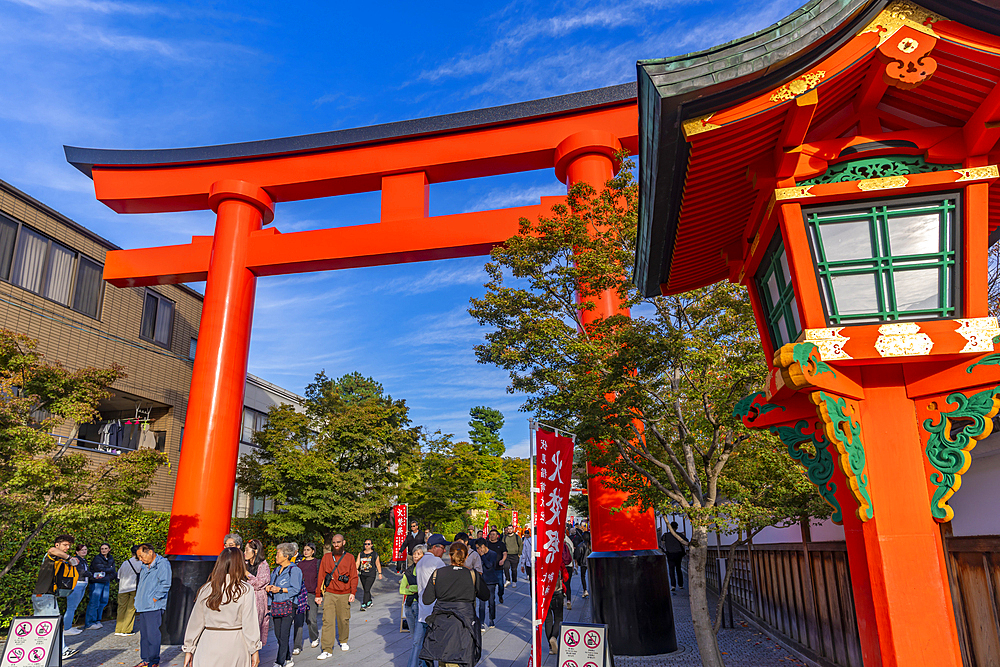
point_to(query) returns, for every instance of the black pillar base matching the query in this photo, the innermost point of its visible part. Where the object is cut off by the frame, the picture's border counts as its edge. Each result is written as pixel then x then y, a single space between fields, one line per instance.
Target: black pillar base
pixel 630 592
pixel 189 573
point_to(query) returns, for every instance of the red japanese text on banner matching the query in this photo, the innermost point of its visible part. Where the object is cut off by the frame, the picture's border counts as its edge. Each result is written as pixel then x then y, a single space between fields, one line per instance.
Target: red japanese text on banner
pixel 399 516
pixel 514 521
pixel 486 525
pixel 554 468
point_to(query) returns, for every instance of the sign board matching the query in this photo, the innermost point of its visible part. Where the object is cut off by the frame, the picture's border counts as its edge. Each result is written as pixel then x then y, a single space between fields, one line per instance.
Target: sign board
pixel 33 641
pixel 399 513
pixel 584 645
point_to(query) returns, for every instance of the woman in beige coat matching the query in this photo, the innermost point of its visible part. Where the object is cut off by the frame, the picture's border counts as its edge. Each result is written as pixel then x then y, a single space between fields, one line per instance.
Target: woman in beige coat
pixel 223 629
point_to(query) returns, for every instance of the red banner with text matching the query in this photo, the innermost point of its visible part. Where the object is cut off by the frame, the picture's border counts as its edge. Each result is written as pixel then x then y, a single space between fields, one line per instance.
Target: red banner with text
pixel 399 515
pixel 514 521
pixel 554 470
pixel 486 526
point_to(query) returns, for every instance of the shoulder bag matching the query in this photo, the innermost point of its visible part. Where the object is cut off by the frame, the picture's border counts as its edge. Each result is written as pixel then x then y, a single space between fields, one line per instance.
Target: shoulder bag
pixel 285 607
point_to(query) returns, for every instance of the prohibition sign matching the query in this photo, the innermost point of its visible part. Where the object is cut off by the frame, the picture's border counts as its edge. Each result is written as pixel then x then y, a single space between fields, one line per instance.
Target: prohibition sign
pixel 572 638
pixel 43 629
pixel 591 639
pixel 36 654
pixel 569 663
pixel 15 655
pixel 23 629
pixel 590 664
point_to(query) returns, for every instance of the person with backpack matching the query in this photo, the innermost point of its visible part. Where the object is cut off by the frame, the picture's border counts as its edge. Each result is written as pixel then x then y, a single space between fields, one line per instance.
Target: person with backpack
pixel 103 572
pixel 581 555
pixel 79 590
pixel 492 577
pixel 309 566
pixel 128 580
pixel 56 576
pixel 514 543
pixel 286 583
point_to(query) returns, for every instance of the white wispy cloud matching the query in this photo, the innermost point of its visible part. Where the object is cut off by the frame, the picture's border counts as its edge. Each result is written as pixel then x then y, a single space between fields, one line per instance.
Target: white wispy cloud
pixel 541 56
pixel 438 277
pixel 515 195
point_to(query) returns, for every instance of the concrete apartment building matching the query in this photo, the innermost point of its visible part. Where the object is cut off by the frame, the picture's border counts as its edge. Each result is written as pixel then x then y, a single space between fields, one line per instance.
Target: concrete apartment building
pixel 51 290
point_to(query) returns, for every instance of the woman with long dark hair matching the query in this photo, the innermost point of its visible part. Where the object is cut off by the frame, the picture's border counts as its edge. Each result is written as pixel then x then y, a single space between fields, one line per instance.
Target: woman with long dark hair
pixel 259 576
pixel 453 629
pixel 223 630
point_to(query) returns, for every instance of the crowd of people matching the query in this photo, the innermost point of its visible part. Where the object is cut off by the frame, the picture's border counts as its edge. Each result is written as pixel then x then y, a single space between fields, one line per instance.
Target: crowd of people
pixel 245 597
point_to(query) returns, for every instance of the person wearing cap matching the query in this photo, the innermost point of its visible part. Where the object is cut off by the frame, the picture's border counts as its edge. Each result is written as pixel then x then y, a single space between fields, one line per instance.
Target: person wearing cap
pixel 424 569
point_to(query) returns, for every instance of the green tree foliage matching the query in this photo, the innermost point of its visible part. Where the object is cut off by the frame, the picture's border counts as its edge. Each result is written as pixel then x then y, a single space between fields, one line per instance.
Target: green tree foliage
pixel 445 479
pixel 484 431
pixel 335 465
pixel 651 396
pixel 44 484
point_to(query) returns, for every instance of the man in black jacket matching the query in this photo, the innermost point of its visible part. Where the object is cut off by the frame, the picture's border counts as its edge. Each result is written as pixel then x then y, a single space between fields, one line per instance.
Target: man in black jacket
pixel 674 549
pixel 415 537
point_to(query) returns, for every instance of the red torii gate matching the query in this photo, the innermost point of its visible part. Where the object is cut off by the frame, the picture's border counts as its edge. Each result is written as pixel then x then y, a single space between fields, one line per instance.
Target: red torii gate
pixel 574 134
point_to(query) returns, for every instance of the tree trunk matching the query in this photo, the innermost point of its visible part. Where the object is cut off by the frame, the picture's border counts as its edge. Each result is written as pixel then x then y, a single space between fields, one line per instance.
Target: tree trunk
pixel 701 615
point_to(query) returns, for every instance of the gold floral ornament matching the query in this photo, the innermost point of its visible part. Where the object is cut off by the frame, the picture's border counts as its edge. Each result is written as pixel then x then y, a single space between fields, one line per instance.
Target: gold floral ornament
pixel 898 14
pixel 903 339
pixel 978 333
pixel 796 87
pixel 830 342
pixel 977 173
pixel 886 183
pixel 699 125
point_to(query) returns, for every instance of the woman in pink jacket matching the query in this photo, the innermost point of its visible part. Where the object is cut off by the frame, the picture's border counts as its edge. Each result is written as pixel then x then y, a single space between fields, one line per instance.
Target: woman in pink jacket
pixel 259 576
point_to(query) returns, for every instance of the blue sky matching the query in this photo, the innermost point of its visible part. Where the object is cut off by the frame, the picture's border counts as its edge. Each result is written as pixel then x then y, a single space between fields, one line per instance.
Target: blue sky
pixel 110 74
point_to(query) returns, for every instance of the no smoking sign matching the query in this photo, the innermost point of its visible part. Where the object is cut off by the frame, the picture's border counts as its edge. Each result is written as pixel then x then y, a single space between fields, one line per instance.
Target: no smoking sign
pixel 584 644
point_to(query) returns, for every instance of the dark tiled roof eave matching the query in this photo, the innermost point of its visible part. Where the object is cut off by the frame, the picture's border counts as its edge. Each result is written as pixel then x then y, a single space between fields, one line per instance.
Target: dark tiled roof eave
pixel 672 90
pixel 84 159
pixel 676 89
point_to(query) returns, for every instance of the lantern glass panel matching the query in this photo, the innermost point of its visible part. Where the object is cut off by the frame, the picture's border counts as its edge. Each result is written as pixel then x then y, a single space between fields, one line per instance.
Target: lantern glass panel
pixel 887 261
pixel 855 294
pixel 774 286
pixel 847 240
pixel 914 235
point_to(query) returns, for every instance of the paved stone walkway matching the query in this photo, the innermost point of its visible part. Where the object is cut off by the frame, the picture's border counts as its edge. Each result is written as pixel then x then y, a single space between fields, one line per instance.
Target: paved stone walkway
pixel 376 641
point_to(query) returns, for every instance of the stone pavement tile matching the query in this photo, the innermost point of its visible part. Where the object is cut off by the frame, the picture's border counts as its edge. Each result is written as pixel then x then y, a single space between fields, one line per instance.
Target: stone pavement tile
pixel 375 639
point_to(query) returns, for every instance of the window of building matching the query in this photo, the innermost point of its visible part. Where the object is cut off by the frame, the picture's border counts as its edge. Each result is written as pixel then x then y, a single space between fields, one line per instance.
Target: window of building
pixel 89 285
pixel 253 421
pixel 192 348
pixel 886 261
pixel 38 264
pixel 774 286
pixel 157 319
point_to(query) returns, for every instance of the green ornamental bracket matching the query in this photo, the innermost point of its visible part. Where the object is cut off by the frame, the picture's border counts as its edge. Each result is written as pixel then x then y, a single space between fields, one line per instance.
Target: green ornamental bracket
pixel 948 451
pixel 877 167
pixel 845 433
pixel 988 360
pixel 749 408
pixel 819 466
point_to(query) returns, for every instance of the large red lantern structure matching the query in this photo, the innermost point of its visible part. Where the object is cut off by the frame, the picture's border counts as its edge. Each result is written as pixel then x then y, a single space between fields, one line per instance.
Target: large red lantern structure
pixel 576 135
pixel 843 166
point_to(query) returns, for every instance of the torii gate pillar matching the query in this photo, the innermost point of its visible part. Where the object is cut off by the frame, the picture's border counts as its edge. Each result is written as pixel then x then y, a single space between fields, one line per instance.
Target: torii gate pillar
pixel 629 583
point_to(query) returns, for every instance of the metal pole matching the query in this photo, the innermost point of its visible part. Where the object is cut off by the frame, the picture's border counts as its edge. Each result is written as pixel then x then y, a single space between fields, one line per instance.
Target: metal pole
pixel 533 427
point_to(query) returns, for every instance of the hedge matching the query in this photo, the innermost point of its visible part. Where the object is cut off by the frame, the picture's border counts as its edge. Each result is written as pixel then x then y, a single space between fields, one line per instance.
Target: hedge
pixel 139 526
